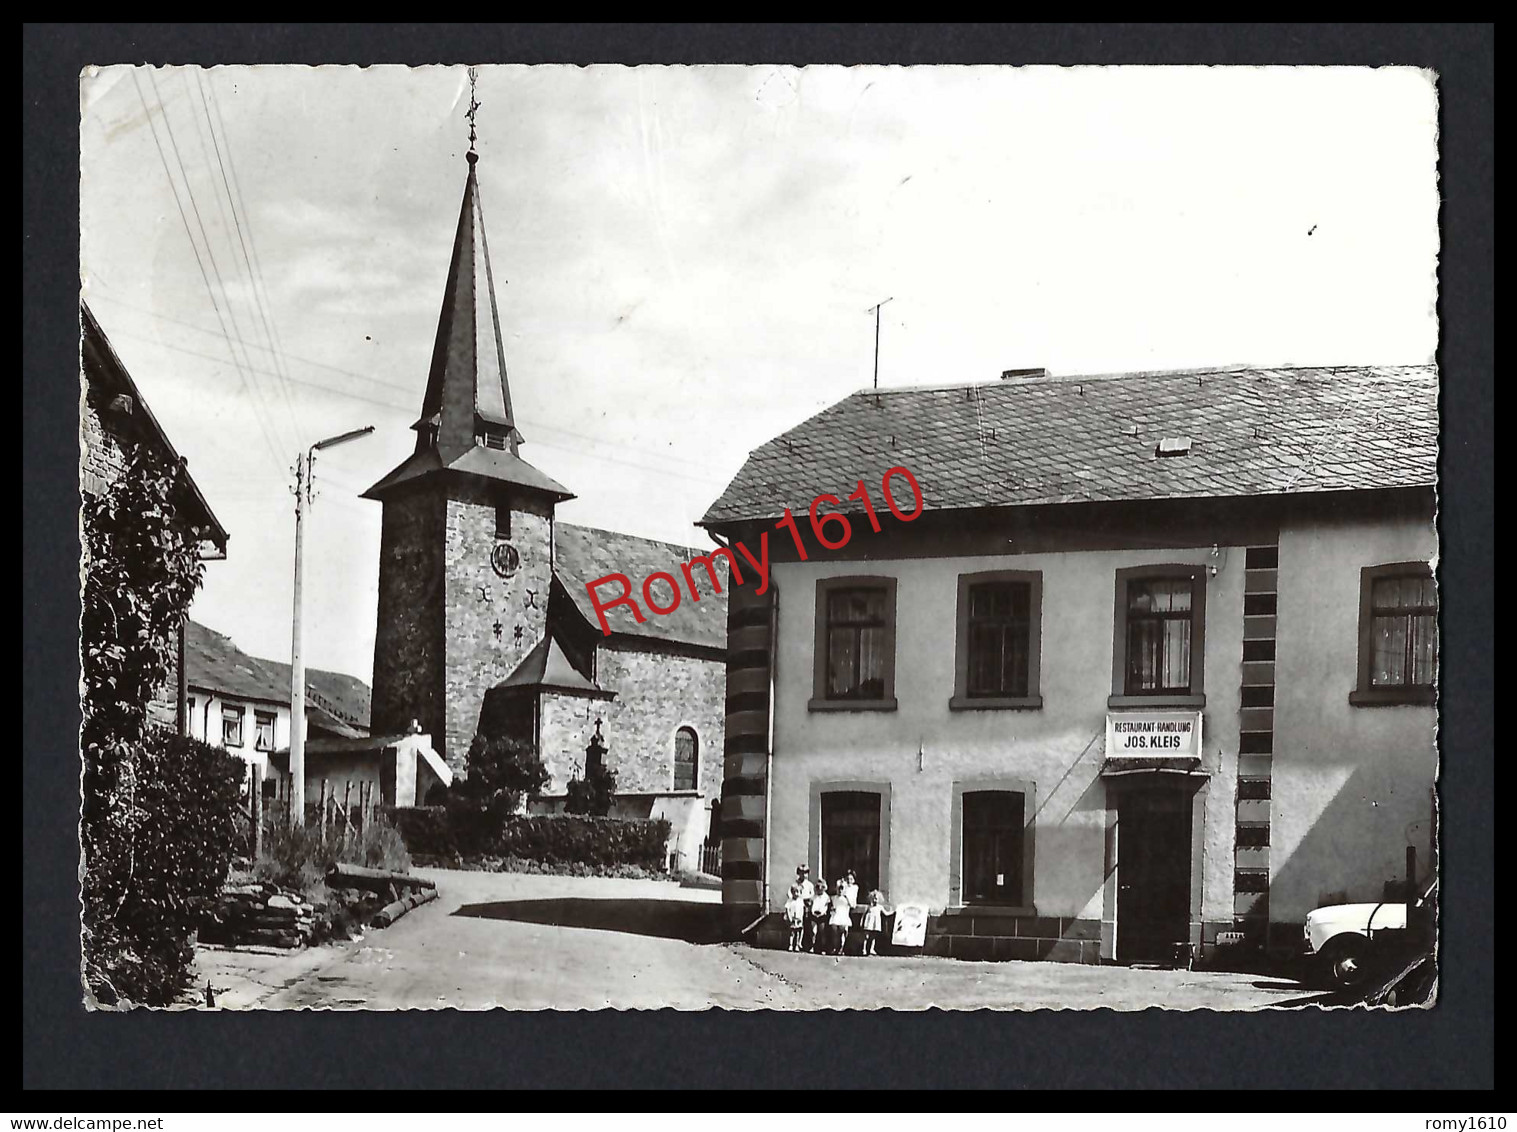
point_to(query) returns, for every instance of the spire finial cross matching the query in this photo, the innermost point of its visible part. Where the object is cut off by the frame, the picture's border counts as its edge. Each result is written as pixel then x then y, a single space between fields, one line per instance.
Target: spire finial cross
pixel 474 105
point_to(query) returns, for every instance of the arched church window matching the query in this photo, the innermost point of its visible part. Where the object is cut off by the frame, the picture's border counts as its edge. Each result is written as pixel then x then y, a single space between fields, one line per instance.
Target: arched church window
pixel 686 758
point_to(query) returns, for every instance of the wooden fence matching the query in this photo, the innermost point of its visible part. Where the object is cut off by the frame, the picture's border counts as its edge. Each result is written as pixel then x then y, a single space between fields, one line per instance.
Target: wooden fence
pixel 711 857
pixel 337 813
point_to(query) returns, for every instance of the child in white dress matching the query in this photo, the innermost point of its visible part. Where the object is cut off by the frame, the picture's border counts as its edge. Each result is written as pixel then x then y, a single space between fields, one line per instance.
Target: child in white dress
pixel 851 888
pixel 795 916
pixel 842 918
pixel 874 921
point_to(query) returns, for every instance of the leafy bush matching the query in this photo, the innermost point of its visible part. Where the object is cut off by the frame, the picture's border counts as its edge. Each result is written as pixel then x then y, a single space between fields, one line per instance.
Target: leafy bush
pixel 461 832
pixel 157 813
pixel 489 864
pixel 161 821
pixel 141 570
pixel 592 794
pixel 598 841
pixel 503 772
pixel 432 830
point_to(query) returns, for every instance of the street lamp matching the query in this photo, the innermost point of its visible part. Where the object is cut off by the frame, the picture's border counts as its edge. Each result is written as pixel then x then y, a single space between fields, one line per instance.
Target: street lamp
pixel 303 466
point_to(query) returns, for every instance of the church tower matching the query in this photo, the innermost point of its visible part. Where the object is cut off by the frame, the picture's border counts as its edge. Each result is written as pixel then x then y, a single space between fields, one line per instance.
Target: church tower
pixel 466 553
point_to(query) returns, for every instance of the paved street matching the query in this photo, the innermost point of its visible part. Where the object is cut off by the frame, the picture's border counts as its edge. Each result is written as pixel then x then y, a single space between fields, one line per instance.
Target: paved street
pixel 531 942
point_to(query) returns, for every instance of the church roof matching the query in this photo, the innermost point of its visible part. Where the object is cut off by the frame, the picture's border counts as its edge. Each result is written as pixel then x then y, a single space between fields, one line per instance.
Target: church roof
pixel 584 554
pixel 489 463
pixel 468 374
pixel 468 395
pixel 546 666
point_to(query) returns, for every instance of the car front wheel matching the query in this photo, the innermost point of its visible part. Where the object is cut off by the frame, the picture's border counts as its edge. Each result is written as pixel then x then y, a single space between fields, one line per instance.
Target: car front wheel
pixel 1345 961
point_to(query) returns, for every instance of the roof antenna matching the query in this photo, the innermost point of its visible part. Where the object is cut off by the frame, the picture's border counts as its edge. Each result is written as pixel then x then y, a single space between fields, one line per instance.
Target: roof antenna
pixel 876 309
pixel 474 105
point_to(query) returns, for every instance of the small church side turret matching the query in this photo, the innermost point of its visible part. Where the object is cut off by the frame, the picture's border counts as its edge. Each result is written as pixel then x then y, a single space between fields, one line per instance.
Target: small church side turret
pixel 467 534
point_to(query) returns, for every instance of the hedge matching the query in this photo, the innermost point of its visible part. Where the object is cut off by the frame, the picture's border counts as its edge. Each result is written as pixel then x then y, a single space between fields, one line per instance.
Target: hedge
pixel 158 827
pixel 555 839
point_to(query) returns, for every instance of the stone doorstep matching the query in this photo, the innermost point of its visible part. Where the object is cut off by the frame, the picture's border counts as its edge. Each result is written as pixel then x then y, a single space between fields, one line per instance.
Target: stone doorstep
pixel 1005 948
pixel 774 934
pixel 971 923
pixel 996 938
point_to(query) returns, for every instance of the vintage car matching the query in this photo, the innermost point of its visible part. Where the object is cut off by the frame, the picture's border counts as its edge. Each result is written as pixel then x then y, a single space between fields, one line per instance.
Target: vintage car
pixel 1349 942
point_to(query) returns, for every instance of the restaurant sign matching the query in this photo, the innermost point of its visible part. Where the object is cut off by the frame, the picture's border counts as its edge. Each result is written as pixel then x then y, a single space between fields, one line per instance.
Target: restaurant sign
pixel 1158 734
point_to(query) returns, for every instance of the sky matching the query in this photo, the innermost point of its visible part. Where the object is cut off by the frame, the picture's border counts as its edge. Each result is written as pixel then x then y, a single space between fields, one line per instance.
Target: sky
pixel 687 259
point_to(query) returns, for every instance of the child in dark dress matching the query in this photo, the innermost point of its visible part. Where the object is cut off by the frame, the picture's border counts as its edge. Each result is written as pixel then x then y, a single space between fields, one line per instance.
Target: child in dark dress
pixel 820 904
pixel 795 917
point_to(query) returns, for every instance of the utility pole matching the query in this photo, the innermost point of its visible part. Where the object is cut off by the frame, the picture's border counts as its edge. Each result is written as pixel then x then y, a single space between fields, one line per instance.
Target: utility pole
pixel 304 463
pixel 876 309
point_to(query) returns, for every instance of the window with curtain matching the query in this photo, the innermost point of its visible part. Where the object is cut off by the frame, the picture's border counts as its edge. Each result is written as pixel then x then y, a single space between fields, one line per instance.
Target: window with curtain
pixel 1159 627
pixel 994 829
pixel 851 837
pixel 231 727
pixel 686 758
pixel 858 643
pixel 1403 631
pixel 263 723
pixel 1000 631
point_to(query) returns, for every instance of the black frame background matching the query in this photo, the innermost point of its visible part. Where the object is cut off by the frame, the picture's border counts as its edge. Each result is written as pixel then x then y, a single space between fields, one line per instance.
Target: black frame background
pixel 1451 1046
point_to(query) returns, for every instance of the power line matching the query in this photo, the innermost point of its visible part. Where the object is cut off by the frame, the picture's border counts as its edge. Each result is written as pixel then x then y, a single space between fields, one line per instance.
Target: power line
pixel 235 334
pixel 247 261
pixel 397 406
pixel 651 468
pixel 266 399
pixel 199 262
pixel 238 199
pixel 289 357
pixel 210 251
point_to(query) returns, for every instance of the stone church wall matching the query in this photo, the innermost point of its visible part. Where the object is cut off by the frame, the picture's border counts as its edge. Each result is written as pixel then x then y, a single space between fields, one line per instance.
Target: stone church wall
pixel 658 690
pixel 492 622
pixel 408 641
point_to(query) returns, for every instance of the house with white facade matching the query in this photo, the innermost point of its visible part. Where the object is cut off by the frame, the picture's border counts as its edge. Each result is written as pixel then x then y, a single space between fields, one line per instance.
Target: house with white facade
pixel 1128 666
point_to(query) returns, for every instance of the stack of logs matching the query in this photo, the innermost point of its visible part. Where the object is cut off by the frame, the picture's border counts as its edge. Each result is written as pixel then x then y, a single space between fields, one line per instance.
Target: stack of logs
pixel 401 890
pixel 258 913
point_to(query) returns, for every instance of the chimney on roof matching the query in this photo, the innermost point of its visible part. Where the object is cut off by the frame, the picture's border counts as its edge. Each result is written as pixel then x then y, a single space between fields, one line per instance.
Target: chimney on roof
pixel 1019 374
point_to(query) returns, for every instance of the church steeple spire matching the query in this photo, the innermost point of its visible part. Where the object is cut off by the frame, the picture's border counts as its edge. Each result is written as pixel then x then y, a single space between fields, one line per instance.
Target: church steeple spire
pixel 467 425
pixel 468 399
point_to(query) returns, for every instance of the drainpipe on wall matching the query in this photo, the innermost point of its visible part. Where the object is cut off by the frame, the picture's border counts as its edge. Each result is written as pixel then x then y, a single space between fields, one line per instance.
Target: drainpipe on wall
pixel 182 682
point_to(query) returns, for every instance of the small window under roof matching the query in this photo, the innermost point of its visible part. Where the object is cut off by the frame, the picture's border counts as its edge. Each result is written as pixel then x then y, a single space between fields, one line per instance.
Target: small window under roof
pixel 1173 446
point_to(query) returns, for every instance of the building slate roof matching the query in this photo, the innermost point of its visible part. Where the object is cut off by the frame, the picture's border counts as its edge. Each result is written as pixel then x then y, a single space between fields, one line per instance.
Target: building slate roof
pixel 1026 441
pixel 101 364
pixel 583 554
pixel 335 702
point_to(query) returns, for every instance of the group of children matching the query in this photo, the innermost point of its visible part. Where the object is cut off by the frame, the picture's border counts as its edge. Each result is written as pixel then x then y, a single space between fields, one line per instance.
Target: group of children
pixel 820 921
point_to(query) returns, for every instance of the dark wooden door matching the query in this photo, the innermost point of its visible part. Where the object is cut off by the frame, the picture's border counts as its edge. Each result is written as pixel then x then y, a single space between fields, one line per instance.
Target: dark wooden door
pixel 851 838
pixel 1153 874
